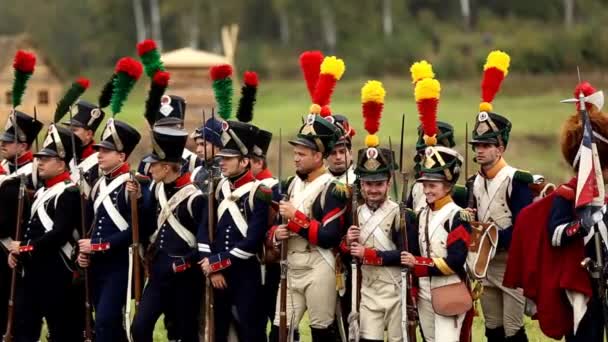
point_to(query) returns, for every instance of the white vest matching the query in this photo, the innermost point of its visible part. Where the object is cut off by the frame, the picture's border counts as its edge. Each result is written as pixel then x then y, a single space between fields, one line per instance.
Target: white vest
pixel 377 233
pixel 492 203
pixel 418 198
pixel 438 237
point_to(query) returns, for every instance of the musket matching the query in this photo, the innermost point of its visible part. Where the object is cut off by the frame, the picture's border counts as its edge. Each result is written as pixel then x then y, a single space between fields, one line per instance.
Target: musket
pixel 409 319
pixel 354 317
pixel 135 246
pixel 471 202
pixel 88 322
pixel 211 221
pixel 8 334
pixel 283 333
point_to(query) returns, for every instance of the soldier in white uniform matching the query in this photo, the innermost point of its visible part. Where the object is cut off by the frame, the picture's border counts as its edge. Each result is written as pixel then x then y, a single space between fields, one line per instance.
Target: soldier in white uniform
pixel 375 243
pixel 439 252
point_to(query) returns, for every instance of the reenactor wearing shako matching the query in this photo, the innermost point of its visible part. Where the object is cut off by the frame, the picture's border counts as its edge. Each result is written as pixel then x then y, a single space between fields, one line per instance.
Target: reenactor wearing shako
pixel 445 137
pixel 44 250
pixel 208 143
pixel 175 280
pixel 19 148
pixel 84 123
pixel 162 110
pixel 106 251
pixel 340 160
pixel 230 260
pixel 439 250
pixel 314 211
pixel 376 241
pixel 496 195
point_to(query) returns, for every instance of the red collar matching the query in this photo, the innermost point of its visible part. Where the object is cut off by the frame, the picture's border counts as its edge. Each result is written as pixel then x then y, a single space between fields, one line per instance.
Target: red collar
pixel 88 150
pixel 25 158
pixel 244 179
pixel 124 168
pixel 57 179
pixel 2 170
pixel 183 180
pixel 264 174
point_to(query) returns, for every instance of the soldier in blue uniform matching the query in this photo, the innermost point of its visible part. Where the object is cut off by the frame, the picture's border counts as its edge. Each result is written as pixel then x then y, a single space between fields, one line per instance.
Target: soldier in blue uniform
pixel 106 252
pixel 87 118
pixel 231 260
pixel 175 280
pixel 20 148
pixel 44 250
pixel 171 113
pixel 208 144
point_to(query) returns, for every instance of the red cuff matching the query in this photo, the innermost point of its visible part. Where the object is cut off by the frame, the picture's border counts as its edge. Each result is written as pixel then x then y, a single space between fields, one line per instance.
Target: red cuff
pixel 422 265
pixel 270 235
pixel 313 232
pixel 26 249
pixel 573 229
pixel 298 222
pixel 100 247
pixel 370 257
pixel 344 247
pixel 182 267
pixel 220 265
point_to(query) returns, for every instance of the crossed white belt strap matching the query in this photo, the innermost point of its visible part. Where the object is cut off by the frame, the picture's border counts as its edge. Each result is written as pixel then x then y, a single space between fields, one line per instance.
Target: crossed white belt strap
pixel 370 227
pixel 229 203
pixel 42 196
pixel 314 189
pixel 103 197
pixel 166 213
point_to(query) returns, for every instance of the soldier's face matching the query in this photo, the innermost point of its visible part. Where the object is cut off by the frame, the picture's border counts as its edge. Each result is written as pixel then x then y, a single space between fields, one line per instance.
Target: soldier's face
pixel 233 166
pixel 487 154
pixel 12 149
pixel 339 159
pixel 85 135
pixel 110 159
pixel 374 192
pixel 164 172
pixel 204 148
pixel 49 167
pixel 257 165
pixel 306 160
pixel 435 190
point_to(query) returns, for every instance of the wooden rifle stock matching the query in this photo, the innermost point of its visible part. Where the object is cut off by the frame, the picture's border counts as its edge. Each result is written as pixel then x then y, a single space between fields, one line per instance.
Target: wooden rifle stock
pixel 88 321
pixel 283 289
pixel 209 314
pixel 136 257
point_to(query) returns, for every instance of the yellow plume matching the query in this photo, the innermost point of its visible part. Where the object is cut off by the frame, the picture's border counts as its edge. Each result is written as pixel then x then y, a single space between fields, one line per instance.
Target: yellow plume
pixel 485 107
pixel 499 60
pixel 372 140
pixel 421 70
pixel 373 91
pixel 333 66
pixel 427 88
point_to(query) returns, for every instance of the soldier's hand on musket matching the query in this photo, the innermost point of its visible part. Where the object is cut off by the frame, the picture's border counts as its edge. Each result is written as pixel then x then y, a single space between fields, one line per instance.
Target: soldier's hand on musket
pixel 591 216
pixel 281 233
pixel 84 246
pixel 357 250
pixel 353 234
pixel 408 259
pixel 14 246
pixel 12 260
pixel 134 187
pixel 218 281
pixel 287 210
pixel 83 260
pixel 205 267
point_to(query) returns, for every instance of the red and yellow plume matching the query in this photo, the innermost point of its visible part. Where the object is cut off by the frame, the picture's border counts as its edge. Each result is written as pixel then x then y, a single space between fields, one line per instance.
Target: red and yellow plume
pixel 332 70
pixel 372 102
pixel 494 72
pixel 310 64
pixel 426 93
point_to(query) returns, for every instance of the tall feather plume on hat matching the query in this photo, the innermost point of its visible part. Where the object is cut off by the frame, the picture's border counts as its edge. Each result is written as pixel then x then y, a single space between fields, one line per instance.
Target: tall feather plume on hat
pixel 159 78
pixel 221 75
pixel 23 65
pixel 310 65
pixel 426 93
pixel 331 71
pixel 372 104
pixel 494 72
pixel 71 96
pixel 127 72
pixel 249 90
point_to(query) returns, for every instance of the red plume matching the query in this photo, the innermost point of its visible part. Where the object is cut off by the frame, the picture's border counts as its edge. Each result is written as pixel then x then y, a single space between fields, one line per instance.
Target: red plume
pixel 372 111
pixel 428 115
pixel 130 67
pixel 490 84
pixel 219 72
pixel 145 46
pixel 587 89
pixel 161 78
pixel 251 78
pixel 310 63
pixel 83 82
pixel 24 62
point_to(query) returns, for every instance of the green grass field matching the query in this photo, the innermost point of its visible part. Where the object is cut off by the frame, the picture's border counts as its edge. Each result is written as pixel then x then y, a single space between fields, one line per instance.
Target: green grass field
pixel 531 104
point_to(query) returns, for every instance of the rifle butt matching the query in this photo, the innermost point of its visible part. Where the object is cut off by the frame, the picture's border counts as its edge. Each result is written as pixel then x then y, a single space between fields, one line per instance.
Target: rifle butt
pixel 283 294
